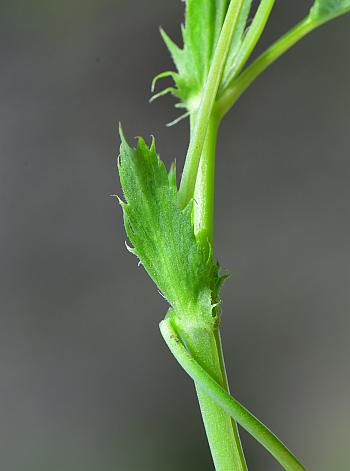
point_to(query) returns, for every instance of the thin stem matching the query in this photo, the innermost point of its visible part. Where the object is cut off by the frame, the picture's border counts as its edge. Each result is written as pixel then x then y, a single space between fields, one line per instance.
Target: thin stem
pixel 244 80
pixel 204 224
pixel 204 189
pixel 189 175
pixel 231 406
pixel 223 438
pixel 227 388
pixel 252 37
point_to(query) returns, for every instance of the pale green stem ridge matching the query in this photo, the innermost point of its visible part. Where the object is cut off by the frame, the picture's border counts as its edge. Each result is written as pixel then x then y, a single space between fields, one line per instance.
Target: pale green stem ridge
pixel 195 148
pixel 230 405
pixel 247 77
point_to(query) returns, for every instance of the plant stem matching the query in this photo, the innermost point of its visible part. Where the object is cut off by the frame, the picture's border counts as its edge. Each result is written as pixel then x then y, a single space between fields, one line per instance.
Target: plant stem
pixel 227 389
pixel 222 433
pixel 253 35
pixel 243 81
pixel 195 148
pixel 204 189
pixel 206 381
pixel 204 223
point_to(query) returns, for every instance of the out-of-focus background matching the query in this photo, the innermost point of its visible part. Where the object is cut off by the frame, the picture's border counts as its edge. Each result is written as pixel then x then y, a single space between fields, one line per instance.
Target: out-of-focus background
pixel 86 381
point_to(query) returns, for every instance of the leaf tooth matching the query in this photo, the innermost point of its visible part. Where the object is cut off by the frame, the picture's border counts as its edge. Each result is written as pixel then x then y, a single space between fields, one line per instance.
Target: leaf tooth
pixel 120 201
pixel 130 249
pixel 152 148
pixel 172 174
pixel 122 136
pixel 168 73
pixel 178 119
pixel 174 49
pixel 162 93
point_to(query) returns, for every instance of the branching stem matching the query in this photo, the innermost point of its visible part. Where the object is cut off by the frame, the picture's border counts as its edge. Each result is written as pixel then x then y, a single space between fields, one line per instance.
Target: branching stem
pixel 240 84
pixel 231 406
pixel 204 114
pixel 222 434
pixel 253 35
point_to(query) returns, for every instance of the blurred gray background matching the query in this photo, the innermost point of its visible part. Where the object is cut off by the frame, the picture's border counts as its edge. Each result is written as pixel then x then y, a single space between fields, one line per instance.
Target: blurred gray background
pixel 86 381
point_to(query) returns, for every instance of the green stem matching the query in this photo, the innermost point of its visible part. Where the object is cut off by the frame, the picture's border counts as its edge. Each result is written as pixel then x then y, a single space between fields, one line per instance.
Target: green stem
pixel 207 382
pixel 204 189
pixel 204 222
pixel 243 81
pixel 227 389
pixel 205 180
pixel 195 148
pixel 253 35
pixel 222 433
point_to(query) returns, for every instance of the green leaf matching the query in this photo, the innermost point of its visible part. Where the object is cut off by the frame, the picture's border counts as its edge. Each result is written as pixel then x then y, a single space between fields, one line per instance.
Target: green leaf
pixel 163 235
pixel 203 24
pixel 324 10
